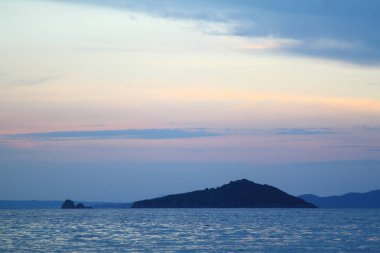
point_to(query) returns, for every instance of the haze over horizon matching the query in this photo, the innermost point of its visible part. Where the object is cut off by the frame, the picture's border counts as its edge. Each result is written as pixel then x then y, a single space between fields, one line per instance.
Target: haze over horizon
pixel 125 100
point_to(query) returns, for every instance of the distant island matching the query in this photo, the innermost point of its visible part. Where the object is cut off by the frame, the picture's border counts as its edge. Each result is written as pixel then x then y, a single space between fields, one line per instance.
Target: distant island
pixel 56 204
pixel 236 194
pixel 69 204
pixel 369 199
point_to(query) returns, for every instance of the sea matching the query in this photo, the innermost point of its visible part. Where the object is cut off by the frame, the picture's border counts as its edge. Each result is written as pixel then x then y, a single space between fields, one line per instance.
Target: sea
pixel 190 230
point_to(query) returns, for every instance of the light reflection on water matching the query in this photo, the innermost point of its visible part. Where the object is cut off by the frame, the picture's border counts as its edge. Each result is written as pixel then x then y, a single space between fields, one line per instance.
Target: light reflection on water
pixel 205 230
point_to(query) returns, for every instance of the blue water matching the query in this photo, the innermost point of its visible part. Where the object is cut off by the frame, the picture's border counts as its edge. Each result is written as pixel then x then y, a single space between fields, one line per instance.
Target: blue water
pixel 190 230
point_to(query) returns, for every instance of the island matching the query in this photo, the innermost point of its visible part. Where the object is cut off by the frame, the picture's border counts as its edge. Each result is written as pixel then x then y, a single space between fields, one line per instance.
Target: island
pixel 69 204
pixel 236 194
pixel 369 199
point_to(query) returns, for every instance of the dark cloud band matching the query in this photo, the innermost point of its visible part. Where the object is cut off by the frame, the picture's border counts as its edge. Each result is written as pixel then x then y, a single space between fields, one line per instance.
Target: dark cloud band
pixel 340 30
pixel 152 134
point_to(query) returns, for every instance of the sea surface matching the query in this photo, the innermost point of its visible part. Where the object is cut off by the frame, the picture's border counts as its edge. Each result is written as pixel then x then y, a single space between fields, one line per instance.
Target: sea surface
pixel 190 230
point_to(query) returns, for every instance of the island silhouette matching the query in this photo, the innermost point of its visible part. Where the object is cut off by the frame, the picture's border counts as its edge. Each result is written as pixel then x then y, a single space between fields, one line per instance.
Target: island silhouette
pixel 69 204
pixel 369 199
pixel 236 194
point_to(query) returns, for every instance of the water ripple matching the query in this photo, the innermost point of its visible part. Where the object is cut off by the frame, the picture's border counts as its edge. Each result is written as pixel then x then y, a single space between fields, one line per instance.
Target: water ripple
pixel 190 230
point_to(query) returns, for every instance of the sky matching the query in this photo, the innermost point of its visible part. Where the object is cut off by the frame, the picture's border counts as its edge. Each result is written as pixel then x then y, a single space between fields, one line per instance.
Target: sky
pixel 121 100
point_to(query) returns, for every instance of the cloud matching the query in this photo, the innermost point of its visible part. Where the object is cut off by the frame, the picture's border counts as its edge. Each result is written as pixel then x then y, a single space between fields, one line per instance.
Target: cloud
pixel 148 134
pixel 360 147
pixel 270 43
pixel 28 81
pixel 339 30
pixel 303 131
pixel 160 134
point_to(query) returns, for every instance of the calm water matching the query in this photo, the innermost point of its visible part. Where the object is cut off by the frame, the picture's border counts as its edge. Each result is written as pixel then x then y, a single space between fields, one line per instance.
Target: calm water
pixel 191 230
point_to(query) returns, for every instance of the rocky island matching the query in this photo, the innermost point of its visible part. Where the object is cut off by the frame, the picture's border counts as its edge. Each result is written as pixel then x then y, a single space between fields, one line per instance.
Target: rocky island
pixel 69 204
pixel 236 194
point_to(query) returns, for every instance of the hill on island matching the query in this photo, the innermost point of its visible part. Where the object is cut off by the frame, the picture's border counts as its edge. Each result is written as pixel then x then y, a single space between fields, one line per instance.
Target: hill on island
pixel 236 194
pixel 350 200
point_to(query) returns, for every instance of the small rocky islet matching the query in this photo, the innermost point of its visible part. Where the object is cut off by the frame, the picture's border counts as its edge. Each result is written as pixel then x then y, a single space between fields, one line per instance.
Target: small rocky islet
pixel 69 204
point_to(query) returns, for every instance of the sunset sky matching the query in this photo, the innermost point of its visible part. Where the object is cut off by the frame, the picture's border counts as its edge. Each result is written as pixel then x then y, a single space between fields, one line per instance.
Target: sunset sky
pixel 119 100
